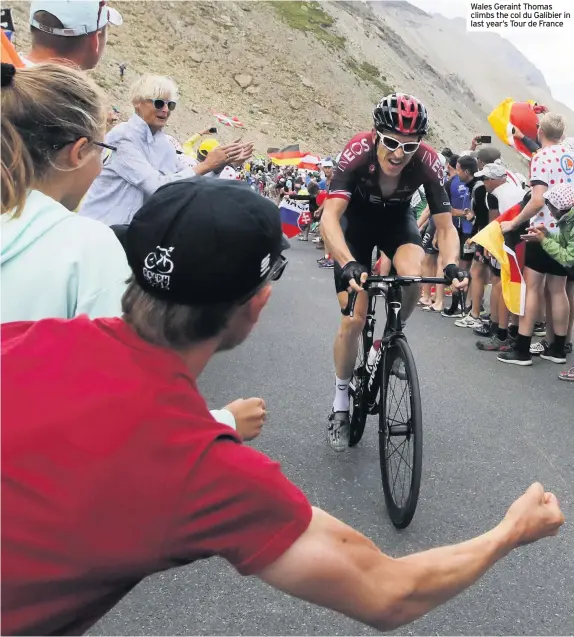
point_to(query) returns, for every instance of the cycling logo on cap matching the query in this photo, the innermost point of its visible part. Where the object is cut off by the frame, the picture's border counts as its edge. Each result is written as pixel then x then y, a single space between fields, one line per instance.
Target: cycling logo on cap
pixel 158 267
pixel 265 265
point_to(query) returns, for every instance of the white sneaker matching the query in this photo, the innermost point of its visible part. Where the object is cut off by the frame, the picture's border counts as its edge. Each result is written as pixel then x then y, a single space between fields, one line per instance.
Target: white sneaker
pixel 468 321
pixel 317 240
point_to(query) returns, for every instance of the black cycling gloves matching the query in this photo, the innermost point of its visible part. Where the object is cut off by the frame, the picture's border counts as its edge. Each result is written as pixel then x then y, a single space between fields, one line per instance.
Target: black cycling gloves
pixel 352 270
pixel 452 271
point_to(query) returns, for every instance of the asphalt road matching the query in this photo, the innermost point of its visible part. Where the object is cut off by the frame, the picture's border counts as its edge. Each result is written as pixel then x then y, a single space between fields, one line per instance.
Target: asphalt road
pixel 490 431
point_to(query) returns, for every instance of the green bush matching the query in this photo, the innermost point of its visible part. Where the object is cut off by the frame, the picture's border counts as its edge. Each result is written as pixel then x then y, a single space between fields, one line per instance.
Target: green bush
pixel 369 73
pixel 310 18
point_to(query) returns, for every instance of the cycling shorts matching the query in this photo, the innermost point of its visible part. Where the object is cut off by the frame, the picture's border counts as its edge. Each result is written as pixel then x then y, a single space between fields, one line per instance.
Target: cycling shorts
pixel 387 232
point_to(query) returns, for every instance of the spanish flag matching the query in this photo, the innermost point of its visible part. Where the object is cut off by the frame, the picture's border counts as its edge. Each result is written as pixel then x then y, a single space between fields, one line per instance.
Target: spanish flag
pixel 9 55
pixel 508 250
pixel 288 156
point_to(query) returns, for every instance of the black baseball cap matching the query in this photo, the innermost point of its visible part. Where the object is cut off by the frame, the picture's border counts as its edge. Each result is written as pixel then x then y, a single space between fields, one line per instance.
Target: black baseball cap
pixel 203 241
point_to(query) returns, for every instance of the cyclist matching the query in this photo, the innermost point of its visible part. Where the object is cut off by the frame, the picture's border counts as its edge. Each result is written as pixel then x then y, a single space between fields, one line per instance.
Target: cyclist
pixel 368 206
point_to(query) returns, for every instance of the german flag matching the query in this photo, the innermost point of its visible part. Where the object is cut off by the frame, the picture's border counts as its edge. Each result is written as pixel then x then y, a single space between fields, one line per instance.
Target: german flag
pixel 288 156
pixel 508 250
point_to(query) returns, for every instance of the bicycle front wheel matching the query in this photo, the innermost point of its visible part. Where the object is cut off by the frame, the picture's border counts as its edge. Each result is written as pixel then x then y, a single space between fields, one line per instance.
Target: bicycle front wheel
pixel 400 433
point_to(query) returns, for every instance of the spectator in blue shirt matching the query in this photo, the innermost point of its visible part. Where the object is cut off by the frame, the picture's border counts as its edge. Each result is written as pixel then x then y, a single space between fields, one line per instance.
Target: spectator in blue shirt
pixel 145 159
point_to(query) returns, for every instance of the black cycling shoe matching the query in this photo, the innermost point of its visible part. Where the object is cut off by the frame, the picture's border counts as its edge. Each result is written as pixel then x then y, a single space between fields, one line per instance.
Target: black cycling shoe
pixel 338 430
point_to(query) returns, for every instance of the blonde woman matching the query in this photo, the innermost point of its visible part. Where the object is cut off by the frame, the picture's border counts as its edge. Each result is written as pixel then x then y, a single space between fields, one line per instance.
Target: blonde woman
pixel 145 159
pixel 54 263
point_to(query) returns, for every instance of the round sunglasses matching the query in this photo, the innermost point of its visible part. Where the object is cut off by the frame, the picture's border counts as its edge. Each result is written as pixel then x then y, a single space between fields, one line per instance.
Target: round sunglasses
pixel 159 104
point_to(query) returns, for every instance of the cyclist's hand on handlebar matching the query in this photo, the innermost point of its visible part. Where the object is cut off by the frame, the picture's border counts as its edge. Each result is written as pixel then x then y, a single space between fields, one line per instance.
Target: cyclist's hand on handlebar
pixel 456 277
pixel 353 276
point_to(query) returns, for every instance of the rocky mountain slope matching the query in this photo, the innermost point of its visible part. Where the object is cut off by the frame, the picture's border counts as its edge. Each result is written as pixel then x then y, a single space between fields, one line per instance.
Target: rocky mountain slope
pixel 310 72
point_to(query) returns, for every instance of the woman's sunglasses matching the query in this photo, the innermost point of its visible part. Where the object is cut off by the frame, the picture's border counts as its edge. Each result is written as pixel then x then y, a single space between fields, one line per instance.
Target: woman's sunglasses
pixel 159 104
pixel 102 145
pixel 392 144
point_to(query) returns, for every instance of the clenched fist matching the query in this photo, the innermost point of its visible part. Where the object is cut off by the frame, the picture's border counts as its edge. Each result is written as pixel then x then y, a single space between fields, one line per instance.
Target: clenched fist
pixel 249 416
pixel 535 515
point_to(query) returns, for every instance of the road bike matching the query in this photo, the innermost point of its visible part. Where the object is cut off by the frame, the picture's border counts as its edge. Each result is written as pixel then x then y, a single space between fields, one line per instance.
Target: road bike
pixel 385 382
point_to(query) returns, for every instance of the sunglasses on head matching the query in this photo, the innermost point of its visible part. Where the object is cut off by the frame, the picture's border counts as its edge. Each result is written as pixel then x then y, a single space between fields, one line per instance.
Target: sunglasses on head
pixel 392 144
pixel 274 274
pixel 159 104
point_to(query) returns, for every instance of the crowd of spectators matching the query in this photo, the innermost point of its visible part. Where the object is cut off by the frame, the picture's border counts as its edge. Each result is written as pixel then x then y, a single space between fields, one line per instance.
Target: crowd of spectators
pixel 481 188
pixel 112 466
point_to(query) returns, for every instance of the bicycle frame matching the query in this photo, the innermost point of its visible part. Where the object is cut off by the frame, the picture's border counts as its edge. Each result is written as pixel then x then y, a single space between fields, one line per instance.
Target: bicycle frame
pixel 393 330
pixel 375 287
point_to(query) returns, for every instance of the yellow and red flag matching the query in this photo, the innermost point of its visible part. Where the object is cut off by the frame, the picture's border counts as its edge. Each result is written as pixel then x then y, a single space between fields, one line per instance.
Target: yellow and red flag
pixel 508 250
pixel 510 114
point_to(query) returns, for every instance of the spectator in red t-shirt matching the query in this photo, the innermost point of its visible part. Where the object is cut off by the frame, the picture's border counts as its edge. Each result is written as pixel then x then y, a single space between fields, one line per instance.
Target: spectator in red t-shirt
pixel 113 467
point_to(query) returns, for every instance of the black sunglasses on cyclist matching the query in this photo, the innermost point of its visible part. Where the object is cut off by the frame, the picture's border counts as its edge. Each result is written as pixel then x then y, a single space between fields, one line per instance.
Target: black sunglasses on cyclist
pixel 159 104
pixel 392 144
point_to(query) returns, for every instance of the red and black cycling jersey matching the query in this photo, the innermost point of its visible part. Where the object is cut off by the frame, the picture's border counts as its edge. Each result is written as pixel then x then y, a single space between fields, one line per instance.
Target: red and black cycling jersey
pixel 356 178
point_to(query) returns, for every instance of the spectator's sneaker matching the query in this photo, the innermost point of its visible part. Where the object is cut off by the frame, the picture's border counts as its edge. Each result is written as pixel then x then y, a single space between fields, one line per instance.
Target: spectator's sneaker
pixel 539 329
pixel 317 240
pixel 493 344
pixel 538 348
pixel 468 321
pixel 484 330
pixel 328 264
pixel 338 430
pixel 452 312
pixel 514 358
pixel 567 375
pixel 568 348
pixel 320 245
pixel 553 356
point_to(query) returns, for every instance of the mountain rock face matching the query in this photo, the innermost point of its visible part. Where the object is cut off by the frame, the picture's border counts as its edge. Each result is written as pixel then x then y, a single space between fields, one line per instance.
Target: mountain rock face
pixel 311 72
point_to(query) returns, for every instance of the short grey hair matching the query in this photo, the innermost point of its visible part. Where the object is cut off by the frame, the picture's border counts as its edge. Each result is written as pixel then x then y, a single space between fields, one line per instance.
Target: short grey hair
pixel 170 324
pixel 151 87
pixel 553 126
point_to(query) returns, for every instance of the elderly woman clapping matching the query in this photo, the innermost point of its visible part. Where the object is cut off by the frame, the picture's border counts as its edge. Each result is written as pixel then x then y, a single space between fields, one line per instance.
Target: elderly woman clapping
pixel 143 158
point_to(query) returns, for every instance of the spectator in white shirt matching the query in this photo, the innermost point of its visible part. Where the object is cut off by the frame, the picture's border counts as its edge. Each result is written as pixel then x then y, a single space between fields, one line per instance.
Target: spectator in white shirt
pixel 145 158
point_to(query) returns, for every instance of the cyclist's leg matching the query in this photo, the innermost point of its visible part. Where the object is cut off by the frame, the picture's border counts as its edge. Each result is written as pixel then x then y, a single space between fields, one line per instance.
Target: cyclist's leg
pixel 403 245
pixel 359 238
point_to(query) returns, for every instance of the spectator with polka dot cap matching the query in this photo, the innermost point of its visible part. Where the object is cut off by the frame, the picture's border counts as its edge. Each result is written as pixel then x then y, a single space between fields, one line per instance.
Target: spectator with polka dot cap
pixel 552 166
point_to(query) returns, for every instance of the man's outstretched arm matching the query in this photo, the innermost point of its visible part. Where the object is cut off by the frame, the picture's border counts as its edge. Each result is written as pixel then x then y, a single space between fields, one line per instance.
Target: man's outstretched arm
pixel 334 566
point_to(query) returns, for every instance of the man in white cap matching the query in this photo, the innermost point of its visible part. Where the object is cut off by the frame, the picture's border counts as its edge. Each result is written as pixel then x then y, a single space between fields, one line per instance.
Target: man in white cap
pixel 73 31
pixel 507 194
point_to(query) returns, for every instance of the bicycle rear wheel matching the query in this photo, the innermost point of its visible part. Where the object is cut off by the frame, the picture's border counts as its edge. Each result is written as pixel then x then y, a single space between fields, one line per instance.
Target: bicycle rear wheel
pixel 400 433
pixel 357 395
